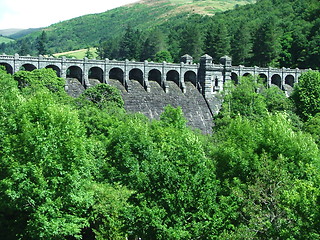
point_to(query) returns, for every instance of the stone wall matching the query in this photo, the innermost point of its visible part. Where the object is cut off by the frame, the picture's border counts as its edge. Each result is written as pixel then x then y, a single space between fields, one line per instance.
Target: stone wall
pixel 152 103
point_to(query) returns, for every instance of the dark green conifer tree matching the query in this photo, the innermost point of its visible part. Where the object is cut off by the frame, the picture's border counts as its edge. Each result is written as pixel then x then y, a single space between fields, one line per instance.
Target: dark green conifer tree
pixel 217 41
pixel 42 43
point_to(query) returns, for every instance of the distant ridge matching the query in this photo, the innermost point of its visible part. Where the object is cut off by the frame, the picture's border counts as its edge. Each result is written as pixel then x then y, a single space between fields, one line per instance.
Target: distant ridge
pixel 89 30
pixel 16 33
pixel 10 31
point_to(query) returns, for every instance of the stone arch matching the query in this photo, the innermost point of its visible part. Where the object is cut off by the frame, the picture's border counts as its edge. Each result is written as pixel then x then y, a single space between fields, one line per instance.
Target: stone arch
pixel 276 80
pixel 28 67
pixel 173 76
pixel 235 78
pixel 96 73
pixel 155 75
pixel 289 80
pixel 75 72
pixel 56 69
pixel 191 76
pixel 8 67
pixel 136 74
pixel 247 74
pixel 263 78
pixel 116 73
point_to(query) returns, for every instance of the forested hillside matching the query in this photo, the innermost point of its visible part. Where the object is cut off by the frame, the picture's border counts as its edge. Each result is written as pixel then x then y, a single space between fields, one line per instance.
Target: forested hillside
pixel 268 33
pixel 82 168
pixel 89 30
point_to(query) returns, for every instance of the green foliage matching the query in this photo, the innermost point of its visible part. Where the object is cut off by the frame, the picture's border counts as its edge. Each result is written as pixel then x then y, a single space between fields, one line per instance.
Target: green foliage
pixel 42 43
pixel 276 100
pixel 162 56
pixel 267 33
pixel 191 41
pixel 103 95
pixel 40 78
pixel 306 95
pixel 243 99
pixel 173 180
pixel 109 208
pixel 259 163
pixel 266 44
pixel 130 44
pixel 45 170
pixel 217 41
pixel 312 127
pixel 173 117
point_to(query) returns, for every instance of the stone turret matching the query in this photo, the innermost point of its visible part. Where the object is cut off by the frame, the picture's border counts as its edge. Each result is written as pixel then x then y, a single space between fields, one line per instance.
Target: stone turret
pixel 187 59
pixel 226 61
pixel 205 75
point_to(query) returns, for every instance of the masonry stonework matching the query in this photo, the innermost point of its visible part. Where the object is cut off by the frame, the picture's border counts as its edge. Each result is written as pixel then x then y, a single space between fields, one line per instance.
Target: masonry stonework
pixel 147 87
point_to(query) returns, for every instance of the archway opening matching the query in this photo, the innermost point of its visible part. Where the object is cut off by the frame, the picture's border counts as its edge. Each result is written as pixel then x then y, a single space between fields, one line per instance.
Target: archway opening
pixel 96 73
pixel 56 69
pixel 8 67
pixel 28 67
pixel 173 76
pixel 117 74
pixel 235 78
pixel 155 75
pixel 289 80
pixel 137 74
pixel 263 79
pixel 75 72
pixel 247 75
pixel 191 76
pixel 276 80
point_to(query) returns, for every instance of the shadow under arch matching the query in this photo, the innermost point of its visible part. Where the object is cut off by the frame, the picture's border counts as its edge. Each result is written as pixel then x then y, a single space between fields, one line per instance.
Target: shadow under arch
pixel 75 72
pixel 155 75
pixel 289 80
pixel 276 80
pixel 235 78
pixel 247 75
pixel 28 67
pixel 8 67
pixel 137 74
pixel 117 74
pixel 262 78
pixel 173 76
pixel 96 73
pixel 56 69
pixel 191 76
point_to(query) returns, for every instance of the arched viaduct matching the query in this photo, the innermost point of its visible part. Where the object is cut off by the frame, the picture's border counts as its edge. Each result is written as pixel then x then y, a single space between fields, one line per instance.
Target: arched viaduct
pixel 103 70
pixel 147 87
pixel 206 76
pixel 270 76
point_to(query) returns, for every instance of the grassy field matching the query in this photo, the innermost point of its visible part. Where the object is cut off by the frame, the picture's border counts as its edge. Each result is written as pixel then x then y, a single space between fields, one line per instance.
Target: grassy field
pixel 78 54
pixel 5 39
pixel 207 7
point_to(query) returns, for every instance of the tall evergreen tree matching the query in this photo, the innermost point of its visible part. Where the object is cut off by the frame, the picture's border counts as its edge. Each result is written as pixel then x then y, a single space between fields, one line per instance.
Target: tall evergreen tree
pixel 154 43
pixel 130 44
pixel 108 49
pixel 24 47
pixel 42 42
pixel 241 45
pixel 191 41
pixel 266 45
pixel 217 41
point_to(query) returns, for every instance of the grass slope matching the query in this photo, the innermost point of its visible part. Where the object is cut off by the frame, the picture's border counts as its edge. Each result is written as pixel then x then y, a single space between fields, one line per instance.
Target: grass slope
pixel 5 39
pixel 79 54
pixel 88 30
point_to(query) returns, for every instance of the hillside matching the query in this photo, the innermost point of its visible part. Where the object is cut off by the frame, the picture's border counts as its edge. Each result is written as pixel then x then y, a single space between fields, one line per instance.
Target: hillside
pixel 5 39
pixel 268 33
pixel 8 32
pixel 88 30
